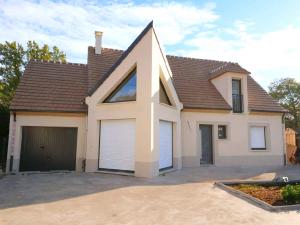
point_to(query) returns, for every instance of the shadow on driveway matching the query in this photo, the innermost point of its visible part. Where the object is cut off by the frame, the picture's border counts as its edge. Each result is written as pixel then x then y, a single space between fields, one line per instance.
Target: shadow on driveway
pixel 20 190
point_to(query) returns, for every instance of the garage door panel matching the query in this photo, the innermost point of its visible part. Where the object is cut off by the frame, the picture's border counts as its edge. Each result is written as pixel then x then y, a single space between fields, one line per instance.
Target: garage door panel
pixel 48 148
pixel 165 144
pixel 117 144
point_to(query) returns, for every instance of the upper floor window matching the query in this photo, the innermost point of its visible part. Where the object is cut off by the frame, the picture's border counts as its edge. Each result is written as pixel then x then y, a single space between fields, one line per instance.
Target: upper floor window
pixel 163 97
pixel 126 91
pixel 237 97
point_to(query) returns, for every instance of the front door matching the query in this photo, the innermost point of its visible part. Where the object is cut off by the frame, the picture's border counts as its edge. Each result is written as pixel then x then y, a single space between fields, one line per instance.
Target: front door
pixel 206 144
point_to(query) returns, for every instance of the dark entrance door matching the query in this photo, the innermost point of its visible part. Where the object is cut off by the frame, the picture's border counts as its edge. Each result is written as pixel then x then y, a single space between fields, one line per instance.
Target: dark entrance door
pixel 206 144
pixel 48 148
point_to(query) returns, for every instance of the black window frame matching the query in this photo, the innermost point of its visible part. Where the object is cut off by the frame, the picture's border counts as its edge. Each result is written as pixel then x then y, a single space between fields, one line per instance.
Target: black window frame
pixel 237 99
pixel 118 88
pixel 223 130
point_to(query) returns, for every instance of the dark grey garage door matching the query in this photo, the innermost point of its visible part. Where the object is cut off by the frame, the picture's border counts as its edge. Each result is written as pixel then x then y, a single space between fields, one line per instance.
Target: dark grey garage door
pixel 48 148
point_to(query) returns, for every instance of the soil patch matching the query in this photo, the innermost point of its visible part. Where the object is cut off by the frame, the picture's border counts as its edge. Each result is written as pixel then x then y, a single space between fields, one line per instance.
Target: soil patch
pixel 269 194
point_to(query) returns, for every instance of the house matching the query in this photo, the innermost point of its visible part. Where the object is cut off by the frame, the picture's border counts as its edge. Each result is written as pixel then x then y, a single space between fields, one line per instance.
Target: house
pixel 139 111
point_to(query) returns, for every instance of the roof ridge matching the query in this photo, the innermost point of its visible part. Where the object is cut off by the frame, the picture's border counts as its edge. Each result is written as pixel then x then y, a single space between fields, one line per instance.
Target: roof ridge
pixel 193 58
pixel 105 48
pixel 219 68
pixel 53 62
pixel 174 56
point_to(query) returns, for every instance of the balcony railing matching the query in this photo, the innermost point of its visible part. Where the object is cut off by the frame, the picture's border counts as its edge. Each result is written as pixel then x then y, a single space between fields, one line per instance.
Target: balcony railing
pixel 237 103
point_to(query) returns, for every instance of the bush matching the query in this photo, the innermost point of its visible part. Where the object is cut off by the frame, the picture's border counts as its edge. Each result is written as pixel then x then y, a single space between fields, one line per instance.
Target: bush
pixel 291 194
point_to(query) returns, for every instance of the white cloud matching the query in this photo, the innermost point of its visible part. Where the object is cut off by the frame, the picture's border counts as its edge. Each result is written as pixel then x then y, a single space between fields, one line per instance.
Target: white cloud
pixel 268 56
pixel 71 25
pixel 185 29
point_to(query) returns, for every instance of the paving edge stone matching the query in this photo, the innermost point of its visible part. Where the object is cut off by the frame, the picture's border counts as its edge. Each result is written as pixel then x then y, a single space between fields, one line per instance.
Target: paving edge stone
pixel 255 201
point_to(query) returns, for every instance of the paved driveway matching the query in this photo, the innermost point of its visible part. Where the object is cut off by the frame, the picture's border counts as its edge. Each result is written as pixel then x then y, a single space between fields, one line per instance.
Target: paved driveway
pixel 182 197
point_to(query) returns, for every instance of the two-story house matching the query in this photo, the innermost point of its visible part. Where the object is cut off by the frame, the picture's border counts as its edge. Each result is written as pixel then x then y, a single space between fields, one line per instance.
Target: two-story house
pixel 141 112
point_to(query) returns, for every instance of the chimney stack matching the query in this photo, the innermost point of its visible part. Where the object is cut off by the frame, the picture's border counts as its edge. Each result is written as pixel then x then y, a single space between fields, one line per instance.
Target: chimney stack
pixel 98 42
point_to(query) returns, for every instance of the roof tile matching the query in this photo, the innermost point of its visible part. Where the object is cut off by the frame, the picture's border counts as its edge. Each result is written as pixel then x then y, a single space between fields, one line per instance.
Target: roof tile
pixel 48 86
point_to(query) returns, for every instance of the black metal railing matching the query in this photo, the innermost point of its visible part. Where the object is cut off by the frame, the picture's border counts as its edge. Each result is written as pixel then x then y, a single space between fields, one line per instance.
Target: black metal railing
pixel 237 103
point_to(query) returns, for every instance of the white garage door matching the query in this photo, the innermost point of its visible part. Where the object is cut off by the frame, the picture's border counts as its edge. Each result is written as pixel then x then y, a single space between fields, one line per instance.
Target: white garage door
pixel 117 144
pixel 165 145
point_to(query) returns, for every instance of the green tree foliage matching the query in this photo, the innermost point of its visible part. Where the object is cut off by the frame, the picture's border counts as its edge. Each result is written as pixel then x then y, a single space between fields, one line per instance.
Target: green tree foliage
pixel 13 60
pixel 291 194
pixel 287 92
pixel 11 66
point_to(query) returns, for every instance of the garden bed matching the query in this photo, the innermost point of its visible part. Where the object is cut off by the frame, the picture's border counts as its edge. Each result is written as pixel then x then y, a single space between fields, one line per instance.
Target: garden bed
pixel 273 196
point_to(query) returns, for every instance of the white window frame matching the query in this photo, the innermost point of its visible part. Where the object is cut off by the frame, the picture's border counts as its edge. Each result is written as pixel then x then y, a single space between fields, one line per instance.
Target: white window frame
pixel 266 138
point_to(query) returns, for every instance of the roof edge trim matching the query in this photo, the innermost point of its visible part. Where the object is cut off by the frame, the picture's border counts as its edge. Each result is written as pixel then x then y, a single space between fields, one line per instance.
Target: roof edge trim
pixel 52 111
pixel 271 111
pixel 227 71
pixel 207 108
pixel 120 60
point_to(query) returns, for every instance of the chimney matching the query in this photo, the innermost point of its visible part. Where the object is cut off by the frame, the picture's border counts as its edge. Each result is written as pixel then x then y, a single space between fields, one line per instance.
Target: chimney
pixel 98 42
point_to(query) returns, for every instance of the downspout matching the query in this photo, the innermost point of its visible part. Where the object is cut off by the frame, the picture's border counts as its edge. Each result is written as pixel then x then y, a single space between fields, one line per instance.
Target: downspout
pixel 85 145
pixel 284 139
pixel 11 142
pixel 86 137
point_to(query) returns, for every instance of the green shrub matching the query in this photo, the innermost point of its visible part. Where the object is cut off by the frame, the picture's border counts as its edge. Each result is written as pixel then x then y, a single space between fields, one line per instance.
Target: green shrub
pixel 291 194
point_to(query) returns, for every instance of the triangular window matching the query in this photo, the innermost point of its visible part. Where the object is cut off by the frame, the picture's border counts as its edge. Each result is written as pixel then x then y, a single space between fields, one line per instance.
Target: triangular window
pixel 163 97
pixel 126 91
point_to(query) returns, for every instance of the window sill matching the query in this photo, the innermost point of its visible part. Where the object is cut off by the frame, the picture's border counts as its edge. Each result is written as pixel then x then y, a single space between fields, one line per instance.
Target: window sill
pixel 259 150
pixel 166 105
pixel 115 103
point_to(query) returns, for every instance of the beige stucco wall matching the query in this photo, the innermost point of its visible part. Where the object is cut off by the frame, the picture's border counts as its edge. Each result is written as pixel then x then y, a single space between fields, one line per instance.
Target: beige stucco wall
pixel 146 110
pixel 223 83
pixel 45 120
pixel 235 150
pixel 151 65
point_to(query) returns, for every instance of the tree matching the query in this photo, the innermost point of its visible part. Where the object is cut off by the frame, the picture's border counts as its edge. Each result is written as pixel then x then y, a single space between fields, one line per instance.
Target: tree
pixel 13 60
pixel 287 92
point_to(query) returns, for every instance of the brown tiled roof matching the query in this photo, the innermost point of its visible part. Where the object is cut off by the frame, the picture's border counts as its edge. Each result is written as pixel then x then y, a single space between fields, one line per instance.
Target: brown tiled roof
pixel 120 59
pixel 227 67
pixel 48 86
pixel 191 81
pixel 259 100
pixel 99 64
pixel 191 78
pixel 63 87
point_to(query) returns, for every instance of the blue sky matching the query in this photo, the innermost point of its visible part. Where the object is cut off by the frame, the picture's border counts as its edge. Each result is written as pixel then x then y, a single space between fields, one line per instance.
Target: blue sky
pixel 262 36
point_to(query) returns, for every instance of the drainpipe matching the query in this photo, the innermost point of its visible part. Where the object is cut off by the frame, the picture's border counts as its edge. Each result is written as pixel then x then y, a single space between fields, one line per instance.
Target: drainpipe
pixel 284 140
pixel 86 136
pixel 11 142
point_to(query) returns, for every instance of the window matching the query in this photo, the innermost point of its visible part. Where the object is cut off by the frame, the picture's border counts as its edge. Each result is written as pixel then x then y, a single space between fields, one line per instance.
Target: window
pixel 258 137
pixel 236 87
pixel 126 91
pixel 163 97
pixel 237 97
pixel 222 134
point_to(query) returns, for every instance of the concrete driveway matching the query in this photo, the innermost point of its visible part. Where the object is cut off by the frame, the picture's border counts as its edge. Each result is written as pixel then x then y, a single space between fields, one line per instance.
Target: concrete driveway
pixel 182 197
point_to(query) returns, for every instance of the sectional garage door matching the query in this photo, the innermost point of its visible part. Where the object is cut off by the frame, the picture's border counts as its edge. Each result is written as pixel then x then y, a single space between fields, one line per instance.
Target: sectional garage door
pixel 48 148
pixel 117 145
pixel 165 145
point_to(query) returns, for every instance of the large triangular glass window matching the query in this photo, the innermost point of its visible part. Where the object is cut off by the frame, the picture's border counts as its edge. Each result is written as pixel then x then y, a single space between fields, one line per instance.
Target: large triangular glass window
pixel 163 97
pixel 126 91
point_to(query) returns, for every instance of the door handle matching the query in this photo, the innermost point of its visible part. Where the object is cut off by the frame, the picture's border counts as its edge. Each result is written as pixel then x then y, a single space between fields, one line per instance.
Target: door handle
pixel 42 147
